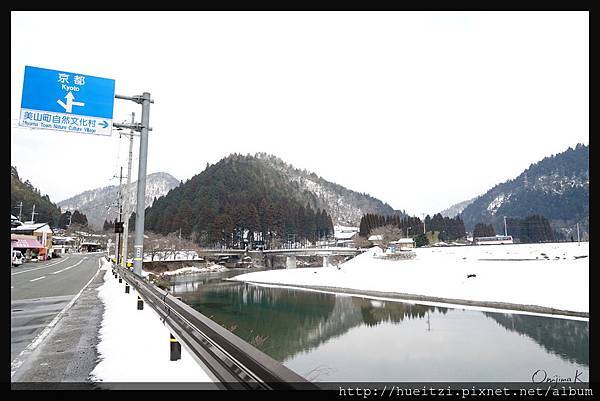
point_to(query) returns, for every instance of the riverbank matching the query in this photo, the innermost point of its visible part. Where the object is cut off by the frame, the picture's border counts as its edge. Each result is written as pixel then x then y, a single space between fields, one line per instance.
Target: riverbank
pixel 539 278
pixel 133 346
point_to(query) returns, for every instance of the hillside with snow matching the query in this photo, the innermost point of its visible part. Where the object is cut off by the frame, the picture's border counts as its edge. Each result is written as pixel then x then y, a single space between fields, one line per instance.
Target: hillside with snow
pixel 457 208
pixel 98 204
pixel 556 187
pixel 345 206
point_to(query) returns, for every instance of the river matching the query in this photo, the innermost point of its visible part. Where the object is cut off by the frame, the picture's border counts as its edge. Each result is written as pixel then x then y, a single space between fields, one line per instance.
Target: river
pixel 334 337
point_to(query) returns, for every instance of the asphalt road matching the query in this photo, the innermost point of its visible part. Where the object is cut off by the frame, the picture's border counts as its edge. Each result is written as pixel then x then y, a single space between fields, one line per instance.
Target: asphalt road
pixel 40 291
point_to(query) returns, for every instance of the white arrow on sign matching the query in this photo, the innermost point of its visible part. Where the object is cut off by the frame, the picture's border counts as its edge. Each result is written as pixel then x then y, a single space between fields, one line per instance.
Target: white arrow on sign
pixel 70 102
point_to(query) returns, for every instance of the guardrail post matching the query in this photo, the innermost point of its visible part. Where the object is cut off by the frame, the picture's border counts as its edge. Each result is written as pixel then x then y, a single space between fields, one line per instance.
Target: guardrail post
pixel 126 288
pixel 120 279
pixel 175 349
pixel 140 303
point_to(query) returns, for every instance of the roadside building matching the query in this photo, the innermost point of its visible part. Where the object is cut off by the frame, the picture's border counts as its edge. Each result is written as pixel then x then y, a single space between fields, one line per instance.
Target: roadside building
pixel 29 246
pixel 43 234
pixel 404 243
pixel 62 245
pixel 89 246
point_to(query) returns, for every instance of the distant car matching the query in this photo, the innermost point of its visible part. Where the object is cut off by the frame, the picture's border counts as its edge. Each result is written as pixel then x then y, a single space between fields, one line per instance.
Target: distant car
pixel 17 258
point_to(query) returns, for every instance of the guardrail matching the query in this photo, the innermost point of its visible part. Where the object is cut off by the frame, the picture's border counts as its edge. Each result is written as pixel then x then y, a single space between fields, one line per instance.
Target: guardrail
pixel 232 361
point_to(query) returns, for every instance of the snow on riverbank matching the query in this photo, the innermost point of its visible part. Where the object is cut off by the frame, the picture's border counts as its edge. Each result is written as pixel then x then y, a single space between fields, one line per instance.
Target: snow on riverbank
pixel 134 344
pixel 548 275
pixel 193 269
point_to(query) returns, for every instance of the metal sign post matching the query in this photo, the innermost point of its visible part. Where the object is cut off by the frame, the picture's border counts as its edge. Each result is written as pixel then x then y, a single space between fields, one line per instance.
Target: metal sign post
pixel 143 128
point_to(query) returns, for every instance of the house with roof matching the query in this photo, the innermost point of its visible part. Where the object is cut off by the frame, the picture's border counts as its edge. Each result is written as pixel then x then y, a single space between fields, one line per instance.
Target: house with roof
pixel 29 246
pixel 376 239
pixel 63 244
pixel 43 234
pixel 345 237
pixel 403 243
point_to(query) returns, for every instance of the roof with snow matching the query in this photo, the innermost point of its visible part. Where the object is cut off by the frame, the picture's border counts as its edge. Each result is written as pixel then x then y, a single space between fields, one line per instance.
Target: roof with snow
pixel 345 229
pixel 345 235
pixel 376 238
pixel 404 241
pixel 32 227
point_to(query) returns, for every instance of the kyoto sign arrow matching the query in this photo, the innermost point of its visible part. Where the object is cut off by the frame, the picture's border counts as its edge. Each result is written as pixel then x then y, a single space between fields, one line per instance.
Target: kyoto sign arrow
pixel 70 103
pixel 66 101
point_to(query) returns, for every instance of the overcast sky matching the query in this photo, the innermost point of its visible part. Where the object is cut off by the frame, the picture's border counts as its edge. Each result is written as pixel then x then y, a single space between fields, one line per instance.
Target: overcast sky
pixel 421 110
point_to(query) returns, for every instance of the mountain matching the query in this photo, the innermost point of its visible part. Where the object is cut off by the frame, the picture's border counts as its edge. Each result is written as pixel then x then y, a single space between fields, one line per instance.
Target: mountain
pixel 258 194
pixel 345 206
pixel 556 187
pixel 99 204
pixel 45 210
pixel 457 208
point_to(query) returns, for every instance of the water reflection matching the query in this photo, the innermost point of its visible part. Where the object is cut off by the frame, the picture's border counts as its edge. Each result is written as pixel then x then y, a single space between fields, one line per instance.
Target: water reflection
pixel 568 339
pixel 363 339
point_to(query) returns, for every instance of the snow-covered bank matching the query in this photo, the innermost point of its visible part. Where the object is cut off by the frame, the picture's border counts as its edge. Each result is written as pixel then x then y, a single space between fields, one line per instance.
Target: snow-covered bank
pixel 193 269
pixel 545 275
pixel 134 344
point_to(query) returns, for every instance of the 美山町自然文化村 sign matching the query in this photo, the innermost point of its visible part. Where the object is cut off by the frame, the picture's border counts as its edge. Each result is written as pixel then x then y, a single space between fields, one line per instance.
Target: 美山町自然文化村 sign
pixel 66 101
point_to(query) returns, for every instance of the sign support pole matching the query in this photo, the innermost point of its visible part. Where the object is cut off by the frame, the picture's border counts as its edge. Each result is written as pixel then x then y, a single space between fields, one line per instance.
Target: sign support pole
pixel 143 128
pixel 141 187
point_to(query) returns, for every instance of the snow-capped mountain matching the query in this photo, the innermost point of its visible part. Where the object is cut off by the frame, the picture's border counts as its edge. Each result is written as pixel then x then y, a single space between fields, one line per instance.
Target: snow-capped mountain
pixel 457 208
pixel 345 206
pixel 556 187
pixel 100 204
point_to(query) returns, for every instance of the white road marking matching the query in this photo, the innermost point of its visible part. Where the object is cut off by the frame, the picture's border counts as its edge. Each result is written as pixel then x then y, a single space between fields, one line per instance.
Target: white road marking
pixel 70 267
pixel 38 268
pixel 36 279
pixel 18 361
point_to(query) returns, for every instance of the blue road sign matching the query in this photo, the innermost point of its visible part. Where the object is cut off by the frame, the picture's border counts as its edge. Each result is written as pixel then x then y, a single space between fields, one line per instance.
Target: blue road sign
pixel 67 101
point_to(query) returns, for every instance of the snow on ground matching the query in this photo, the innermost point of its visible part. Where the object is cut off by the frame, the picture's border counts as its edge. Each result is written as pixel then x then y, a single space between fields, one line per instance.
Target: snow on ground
pixel 134 344
pixel 551 276
pixel 194 269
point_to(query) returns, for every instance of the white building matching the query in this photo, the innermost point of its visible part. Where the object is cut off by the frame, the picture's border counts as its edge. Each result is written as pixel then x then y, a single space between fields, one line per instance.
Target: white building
pixel 403 243
pixel 344 236
pixel 63 245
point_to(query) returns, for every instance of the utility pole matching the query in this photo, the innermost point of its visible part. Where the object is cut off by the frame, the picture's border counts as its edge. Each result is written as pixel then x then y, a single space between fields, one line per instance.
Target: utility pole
pixel 505 232
pixel 20 209
pixel 578 242
pixel 120 203
pixel 33 213
pixel 127 208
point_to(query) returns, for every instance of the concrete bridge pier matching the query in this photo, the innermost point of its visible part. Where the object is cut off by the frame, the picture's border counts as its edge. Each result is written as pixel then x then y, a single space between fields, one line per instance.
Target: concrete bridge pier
pixel 326 260
pixel 290 262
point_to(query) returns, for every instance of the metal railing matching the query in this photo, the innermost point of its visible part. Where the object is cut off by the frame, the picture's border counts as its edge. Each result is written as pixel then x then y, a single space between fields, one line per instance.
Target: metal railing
pixel 232 361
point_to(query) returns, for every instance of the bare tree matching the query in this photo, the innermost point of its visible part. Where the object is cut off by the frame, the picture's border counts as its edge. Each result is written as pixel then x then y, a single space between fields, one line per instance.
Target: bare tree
pixel 360 242
pixel 160 247
pixel 388 234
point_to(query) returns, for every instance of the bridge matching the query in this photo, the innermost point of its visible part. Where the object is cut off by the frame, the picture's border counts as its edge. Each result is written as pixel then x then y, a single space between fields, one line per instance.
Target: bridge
pixel 326 252
pixel 290 253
